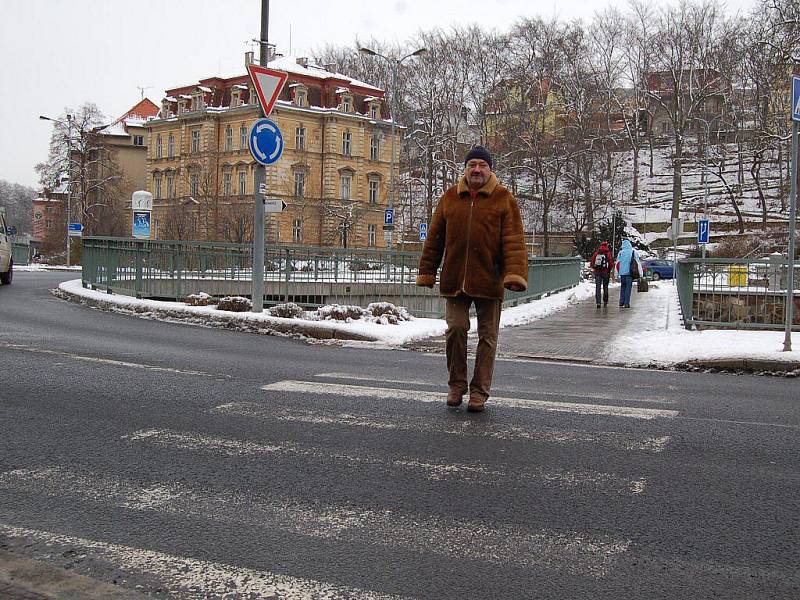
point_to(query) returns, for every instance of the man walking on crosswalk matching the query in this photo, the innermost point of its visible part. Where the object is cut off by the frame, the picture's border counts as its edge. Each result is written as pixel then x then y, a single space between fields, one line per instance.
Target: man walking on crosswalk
pixel 477 229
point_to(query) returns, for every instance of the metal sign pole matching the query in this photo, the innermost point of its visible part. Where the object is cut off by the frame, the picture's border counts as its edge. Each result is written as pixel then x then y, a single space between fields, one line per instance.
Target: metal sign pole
pixel 260 181
pixel 789 312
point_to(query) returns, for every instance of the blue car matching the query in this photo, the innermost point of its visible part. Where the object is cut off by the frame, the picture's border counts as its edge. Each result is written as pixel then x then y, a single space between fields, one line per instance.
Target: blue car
pixel 658 269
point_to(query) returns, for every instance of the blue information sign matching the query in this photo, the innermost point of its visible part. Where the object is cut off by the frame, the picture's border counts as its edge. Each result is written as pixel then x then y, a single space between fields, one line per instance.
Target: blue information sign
pixel 795 98
pixel 141 224
pixel 266 141
pixel 388 216
pixel 423 232
pixel 702 231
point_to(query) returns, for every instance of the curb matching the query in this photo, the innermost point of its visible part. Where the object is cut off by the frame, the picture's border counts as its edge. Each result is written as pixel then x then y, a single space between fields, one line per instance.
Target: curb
pixel 296 329
pixel 23 578
pixel 786 368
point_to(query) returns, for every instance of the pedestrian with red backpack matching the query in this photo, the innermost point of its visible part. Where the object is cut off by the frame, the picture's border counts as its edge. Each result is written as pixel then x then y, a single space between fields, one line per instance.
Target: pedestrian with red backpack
pixel 601 262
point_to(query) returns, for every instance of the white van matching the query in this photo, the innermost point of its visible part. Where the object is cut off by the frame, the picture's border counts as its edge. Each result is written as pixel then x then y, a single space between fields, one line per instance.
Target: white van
pixel 6 260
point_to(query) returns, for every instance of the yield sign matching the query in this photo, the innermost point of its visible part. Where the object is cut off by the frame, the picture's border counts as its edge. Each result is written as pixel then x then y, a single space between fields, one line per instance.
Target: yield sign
pixel 268 84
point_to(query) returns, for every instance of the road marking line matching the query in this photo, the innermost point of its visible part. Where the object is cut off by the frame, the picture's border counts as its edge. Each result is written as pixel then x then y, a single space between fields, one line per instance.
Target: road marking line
pixel 504 389
pixel 195 579
pixel 515 545
pixel 432 470
pixel 109 361
pixel 608 439
pixel 357 391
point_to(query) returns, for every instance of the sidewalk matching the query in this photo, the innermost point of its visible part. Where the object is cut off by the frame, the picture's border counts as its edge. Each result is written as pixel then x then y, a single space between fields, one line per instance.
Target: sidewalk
pixel 635 336
pixel 579 333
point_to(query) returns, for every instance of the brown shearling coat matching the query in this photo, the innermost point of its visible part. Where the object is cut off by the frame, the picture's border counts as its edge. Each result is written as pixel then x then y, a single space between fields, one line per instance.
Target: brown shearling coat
pixel 480 243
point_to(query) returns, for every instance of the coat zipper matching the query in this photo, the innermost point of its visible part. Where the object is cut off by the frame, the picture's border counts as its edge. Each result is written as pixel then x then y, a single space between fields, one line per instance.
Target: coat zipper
pixel 466 257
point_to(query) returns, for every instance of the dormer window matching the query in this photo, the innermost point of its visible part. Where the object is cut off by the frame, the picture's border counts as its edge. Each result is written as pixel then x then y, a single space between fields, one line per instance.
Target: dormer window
pixel 197 101
pixel 300 94
pixel 236 98
pixel 181 106
pixel 374 110
pixel 347 103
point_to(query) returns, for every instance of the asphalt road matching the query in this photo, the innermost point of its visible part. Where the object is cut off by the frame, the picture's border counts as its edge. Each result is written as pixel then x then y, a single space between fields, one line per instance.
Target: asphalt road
pixel 186 462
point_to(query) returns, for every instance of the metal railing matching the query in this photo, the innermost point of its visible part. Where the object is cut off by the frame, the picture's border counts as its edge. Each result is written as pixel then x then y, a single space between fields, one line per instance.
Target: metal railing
pixel 310 276
pixel 735 293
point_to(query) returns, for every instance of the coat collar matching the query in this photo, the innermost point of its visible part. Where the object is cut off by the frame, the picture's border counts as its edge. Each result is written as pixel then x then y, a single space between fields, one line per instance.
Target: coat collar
pixel 486 190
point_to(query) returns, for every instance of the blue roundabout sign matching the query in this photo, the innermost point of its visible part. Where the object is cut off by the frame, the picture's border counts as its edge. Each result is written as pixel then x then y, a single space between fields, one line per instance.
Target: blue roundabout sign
pixel 266 141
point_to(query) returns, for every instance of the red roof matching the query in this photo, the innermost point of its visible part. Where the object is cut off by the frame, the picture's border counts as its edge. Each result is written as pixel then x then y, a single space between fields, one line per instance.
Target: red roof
pixel 145 108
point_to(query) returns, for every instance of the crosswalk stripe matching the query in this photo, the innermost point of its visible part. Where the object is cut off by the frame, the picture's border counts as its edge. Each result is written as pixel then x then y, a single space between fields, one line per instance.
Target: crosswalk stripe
pixel 500 389
pixel 409 422
pixel 194 579
pixel 504 544
pixel 381 393
pixel 431 470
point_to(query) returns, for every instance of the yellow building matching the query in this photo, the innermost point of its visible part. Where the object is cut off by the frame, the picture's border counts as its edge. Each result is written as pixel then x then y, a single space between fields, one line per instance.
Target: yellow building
pixel 333 174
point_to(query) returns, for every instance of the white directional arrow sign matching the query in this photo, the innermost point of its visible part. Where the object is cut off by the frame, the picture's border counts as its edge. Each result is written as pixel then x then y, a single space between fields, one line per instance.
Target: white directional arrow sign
pixel 268 84
pixel 274 205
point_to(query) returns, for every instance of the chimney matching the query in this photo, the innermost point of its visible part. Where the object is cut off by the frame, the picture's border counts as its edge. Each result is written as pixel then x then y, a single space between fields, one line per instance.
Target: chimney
pixel 330 67
pixel 248 58
pixel 303 62
pixel 270 53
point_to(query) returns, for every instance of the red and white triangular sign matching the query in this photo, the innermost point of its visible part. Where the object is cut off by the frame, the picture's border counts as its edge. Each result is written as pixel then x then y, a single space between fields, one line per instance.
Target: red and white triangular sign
pixel 268 84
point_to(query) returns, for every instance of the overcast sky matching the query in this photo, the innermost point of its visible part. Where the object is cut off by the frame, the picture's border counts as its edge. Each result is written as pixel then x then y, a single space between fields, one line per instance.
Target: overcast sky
pixel 62 53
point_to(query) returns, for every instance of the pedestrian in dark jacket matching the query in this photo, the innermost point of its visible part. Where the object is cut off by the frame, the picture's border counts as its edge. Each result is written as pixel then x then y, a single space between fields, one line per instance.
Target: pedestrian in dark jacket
pixel 476 234
pixel 601 263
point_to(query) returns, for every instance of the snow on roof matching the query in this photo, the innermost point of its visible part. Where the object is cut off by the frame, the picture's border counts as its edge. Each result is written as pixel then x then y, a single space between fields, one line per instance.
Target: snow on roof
pixel 117 128
pixel 171 99
pixel 204 88
pixel 240 86
pixel 342 90
pixel 185 96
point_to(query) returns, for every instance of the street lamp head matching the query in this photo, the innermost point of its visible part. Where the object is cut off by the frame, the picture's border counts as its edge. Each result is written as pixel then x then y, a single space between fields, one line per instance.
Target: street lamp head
pixel 420 52
pixel 368 51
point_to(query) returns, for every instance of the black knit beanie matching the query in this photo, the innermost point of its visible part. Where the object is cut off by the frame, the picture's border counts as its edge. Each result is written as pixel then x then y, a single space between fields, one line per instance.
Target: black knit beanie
pixel 479 152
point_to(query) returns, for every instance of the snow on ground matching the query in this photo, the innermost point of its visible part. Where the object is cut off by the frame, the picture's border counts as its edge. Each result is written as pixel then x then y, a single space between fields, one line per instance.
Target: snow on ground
pixel 649 341
pixel 654 342
pixel 405 331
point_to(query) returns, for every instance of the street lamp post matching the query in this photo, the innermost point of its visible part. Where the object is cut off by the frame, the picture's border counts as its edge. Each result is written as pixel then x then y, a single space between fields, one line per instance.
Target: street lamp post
pixel 705 173
pixel 394 63
pixel 69 175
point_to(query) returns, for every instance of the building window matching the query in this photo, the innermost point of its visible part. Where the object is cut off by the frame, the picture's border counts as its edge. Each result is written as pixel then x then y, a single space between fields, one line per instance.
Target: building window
pixel 156 226
pixel 170 185
pixel 235 95
pixel 197 102
pixel 195 141
pixel 373 111
pixel 157 186
pixel 664 127
pixel 159 147
pixel 228 138
pixel 297 231
pixel 300 97
pixel 194 185
pixel 373 148
pixel 243 137
pixel 242 182
pixel 227 177
pixel 373 191
pixel 299 184
pixel 371 235
pixel 347 138
pixel 347 104
pixel 138 140
pixel 171 145
pixel 181 106
pixel 300 138
pixel 345 186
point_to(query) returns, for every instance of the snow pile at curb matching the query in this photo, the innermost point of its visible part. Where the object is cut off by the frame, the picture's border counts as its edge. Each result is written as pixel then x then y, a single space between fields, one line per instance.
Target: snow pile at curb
pixel 654 343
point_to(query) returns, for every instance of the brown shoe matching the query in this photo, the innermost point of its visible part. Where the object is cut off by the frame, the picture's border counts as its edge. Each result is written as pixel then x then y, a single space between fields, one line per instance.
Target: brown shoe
pixel 454 398
pixel 476 404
